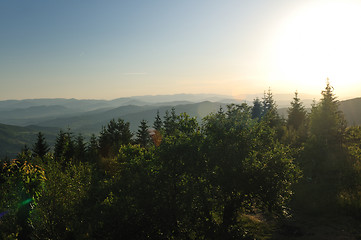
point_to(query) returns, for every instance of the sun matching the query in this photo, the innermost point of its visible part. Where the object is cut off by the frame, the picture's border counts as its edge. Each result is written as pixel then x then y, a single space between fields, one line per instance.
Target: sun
pixel 320 40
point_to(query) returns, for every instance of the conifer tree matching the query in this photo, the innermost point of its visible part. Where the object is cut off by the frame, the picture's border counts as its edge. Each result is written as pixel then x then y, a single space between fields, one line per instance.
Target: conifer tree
pixel 59 145
pixel 40 148
pixel 64 146
pixel 170 122
pixel 93 149
pixel 157 125
pixel 269 112
pixel 143 137
pixel 268 102
pixel 296 113
pixel 256 109
pixel 93 145
pixel 324 161
pixel 116 133
pixel 327 121
pixel 80 148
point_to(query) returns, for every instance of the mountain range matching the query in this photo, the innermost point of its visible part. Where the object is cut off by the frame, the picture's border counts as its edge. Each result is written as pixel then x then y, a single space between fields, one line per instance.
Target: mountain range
pixel 20 120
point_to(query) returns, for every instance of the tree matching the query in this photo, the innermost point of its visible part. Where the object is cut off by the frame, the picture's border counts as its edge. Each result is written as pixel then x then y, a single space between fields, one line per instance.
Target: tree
pixel 169 122
pixel 269 112
pixel 59 211
pixel 80 148
pixel 257 109
pixel 115 134
pixel 247 166
pixel 296 114
pixel 181 167
pixel 93 149
pixel 20 183
pixel 25 154
pixel 40 148
pixel 351 194
pixel 131 197
pixel 158 124
pixel 64 146
pixel 268 102
pixel 59 145
pixel 324 159
pixel 296 133
pixel 143 137
pixel 327 122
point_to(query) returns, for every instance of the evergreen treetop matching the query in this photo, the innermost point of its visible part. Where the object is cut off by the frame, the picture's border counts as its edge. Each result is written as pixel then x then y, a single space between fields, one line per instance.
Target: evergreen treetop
pixel 40 147
pixel 296 113
pixel 257 109
pixel 327 122
pixel 143 137
pixel 158 124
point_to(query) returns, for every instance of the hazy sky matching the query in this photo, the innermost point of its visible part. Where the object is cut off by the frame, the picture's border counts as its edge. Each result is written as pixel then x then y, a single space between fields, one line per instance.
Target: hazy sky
pixel 109 49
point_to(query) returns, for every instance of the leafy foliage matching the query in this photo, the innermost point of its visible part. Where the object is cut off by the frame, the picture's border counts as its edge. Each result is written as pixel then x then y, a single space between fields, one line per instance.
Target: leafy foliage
pixel 199 180
pixel 19 184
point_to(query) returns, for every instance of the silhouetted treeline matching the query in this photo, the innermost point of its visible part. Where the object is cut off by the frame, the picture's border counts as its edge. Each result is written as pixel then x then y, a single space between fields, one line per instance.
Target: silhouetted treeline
pixel 181 179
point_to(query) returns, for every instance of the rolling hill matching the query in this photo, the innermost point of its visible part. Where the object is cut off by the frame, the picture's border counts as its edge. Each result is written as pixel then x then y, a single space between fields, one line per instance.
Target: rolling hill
pixel 352 111
pixel 198 110
pixel 32 116
pixel 13 138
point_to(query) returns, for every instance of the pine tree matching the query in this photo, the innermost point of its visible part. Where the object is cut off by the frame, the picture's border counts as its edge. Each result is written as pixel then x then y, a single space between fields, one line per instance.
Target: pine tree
pixel 170 122
pixel 93 146
pixel 93 149
pixel 59 145
pixel 324 161
pixel 158 124
pixel 25 148
pixel 80 148
pixel 116 133
pixel 268 103
pixel 296 113
pixel 64 146
pixel 40 148
pixel 143 137
pixel 327 122
pixel 256 109
pixel 269 112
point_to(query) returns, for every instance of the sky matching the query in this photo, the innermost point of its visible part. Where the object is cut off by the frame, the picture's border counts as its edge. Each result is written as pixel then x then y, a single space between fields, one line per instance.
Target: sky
pixel 96 49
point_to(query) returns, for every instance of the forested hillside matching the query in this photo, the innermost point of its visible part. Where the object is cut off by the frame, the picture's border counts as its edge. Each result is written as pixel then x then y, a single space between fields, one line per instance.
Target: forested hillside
pixel 13 138
pixel 43 112
pixel 243 172
pixel 352 110
pixel 90 122
pixel 88 116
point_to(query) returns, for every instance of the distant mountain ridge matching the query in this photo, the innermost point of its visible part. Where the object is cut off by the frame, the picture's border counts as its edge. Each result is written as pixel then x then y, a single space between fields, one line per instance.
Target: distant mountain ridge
pixel 51 115
pixel 352 111
pixel 13 138
pixel 92 104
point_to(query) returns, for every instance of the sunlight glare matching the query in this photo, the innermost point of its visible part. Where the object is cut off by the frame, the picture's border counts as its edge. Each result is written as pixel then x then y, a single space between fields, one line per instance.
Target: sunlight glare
pixel 319 41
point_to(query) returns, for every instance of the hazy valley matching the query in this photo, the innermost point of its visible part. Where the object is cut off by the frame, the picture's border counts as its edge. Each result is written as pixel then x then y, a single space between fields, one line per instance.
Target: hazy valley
pixel 21 120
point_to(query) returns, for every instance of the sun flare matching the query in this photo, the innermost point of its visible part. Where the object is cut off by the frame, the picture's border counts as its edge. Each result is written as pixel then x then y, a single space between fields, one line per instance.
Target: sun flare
pixel 319 41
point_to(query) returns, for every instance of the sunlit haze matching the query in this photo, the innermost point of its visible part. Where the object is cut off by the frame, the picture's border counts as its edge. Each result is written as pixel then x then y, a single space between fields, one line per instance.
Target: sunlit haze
pixel 110 49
